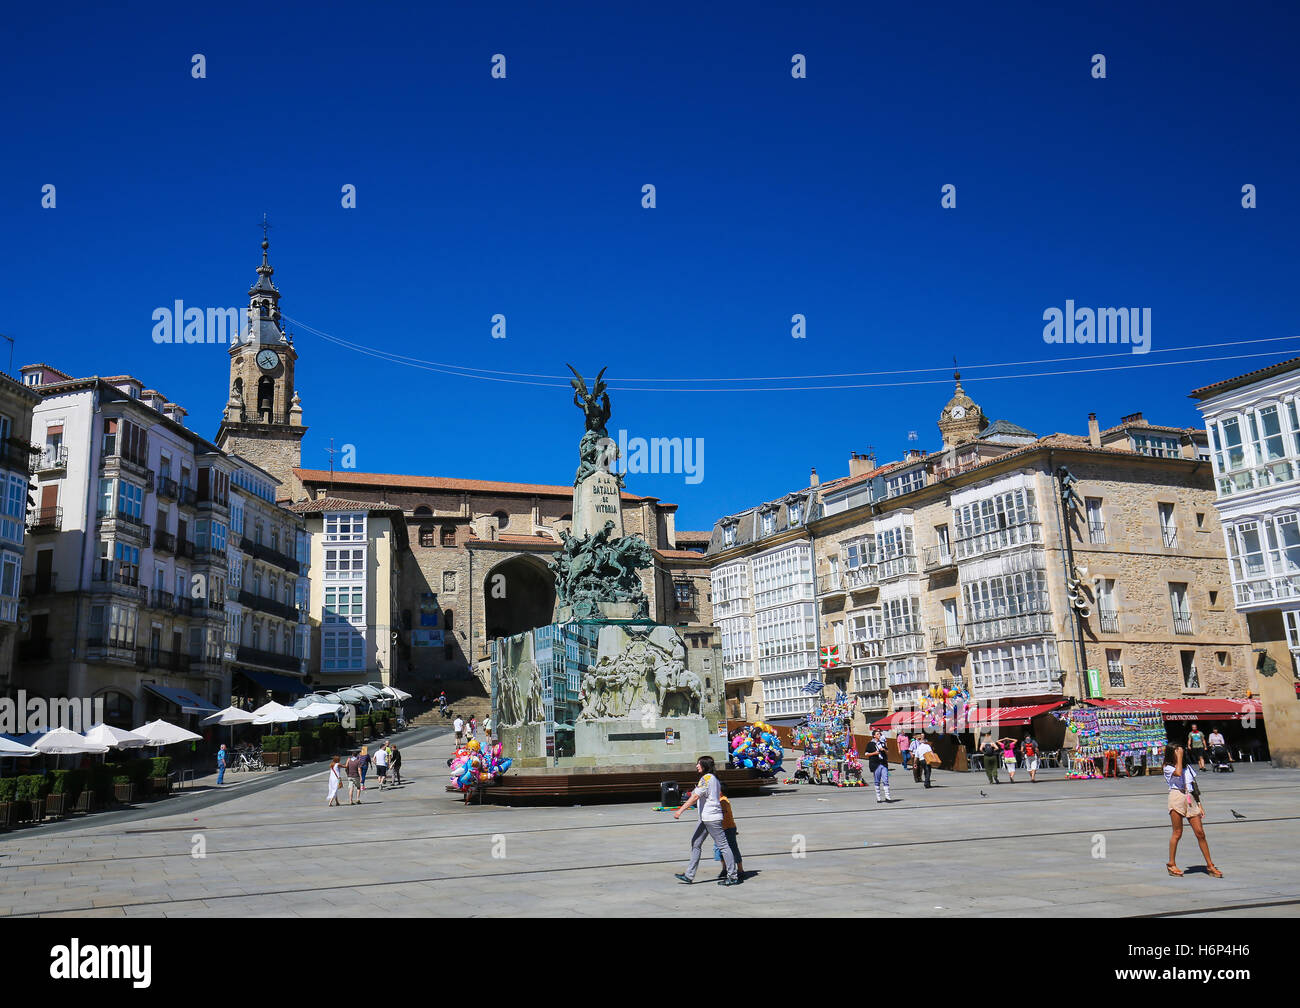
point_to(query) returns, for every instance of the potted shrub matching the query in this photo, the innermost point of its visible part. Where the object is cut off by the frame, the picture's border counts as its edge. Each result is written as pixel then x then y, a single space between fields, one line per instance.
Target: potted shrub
pixel 159 771
pixel 57 800
pixel 123 789
pixel 30 797
pixel 293 742
pixel 8 793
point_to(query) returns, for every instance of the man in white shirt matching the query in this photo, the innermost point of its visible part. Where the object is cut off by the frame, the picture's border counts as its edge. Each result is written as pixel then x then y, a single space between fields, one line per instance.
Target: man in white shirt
pixel 920 747
pixel 459 725
pixel 381 766
pixel 1217 739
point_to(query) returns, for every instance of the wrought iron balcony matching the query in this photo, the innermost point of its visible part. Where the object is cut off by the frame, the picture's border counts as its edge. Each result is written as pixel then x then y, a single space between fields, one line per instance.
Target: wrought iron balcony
pixel 168 489
pixel 258 551
pixel 1170 537
pixel 269 605
pixel 164 542
pixel 186 497
pixel 52 459
pixel 897 566
pixel 40 584
pixel 253 656
pixel 1182 623
pixel 830 584
pixel 184 548
pixel 45 520
pixel 101 649
pixel 159 599
pixel 862 577
pixel 938 559
pixel 1109 620
pixel 947 640
pixel 168 660
pixel 1097 533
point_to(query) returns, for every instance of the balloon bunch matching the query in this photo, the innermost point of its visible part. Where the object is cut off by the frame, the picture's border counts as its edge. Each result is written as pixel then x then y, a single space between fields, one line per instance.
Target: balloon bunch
pixel 942 707
pixel 472 763
pixel 852 776
pixel 757 748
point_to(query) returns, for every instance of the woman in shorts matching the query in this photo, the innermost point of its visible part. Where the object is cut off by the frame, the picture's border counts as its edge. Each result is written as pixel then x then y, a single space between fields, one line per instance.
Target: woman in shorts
pixel 1030 749
pixel 1008 747
pixel 1183 805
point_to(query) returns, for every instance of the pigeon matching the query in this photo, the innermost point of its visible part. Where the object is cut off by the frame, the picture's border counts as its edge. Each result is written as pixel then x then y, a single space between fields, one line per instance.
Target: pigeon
pixel 983 795
pixel 1236 814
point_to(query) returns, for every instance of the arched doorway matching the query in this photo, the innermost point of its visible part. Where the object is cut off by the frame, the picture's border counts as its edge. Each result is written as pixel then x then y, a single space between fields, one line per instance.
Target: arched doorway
pixel 518 595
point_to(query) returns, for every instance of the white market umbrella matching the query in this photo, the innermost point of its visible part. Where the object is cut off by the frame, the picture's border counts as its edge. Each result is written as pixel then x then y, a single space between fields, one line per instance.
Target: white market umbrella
pixel 369 692
pixel 398 694
pixel 8 747
pixel 163 733
pixel 58 741
pixel 274 713
pixel 230 716
pixel 317 709
pixel 115 738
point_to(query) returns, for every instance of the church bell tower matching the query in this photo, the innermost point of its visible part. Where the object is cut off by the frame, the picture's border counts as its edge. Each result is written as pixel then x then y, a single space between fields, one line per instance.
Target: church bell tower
pixel 961 420
pixel 262 420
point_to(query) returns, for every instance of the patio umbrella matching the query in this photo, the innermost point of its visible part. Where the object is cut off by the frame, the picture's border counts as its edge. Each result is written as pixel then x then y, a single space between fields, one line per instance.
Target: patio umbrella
pixel 115 738
pixel 230 716
pixel 274 713
pixel 162 733
pixel 58 741
pixel 8 747
pixel 317 709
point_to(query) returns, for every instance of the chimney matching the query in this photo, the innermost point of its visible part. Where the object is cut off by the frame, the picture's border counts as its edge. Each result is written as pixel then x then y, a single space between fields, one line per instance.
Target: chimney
pixel 813 480
pixel 1094 431
pixel 860 463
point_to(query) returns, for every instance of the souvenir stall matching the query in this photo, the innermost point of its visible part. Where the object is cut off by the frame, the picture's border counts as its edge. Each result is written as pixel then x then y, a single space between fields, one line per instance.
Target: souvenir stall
pixel 829 756
pixel 1114 741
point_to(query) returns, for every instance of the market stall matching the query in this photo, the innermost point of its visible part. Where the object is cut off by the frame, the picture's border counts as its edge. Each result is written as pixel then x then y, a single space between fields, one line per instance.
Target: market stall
pixel 1112 741
pixel 829 752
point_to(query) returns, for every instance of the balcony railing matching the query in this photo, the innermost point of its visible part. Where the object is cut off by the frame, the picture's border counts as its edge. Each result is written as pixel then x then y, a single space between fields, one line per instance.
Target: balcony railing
pixel 208 501
pixel 184 606
pixel 40 584
pixel 948 639
pixel 937 559
pixel 865 650
pixel 159 599
pixel 830 584
pixel 116 459
pixel 862 577
pixel 114 650
pixel 897 566
pixel 253 656
pixel 1182 623
pixel 168 489
pixel 119 582
pixel 738 670
pixel 905 643
pixel 45 520
pixel 168 660
pixel 1109 620
pixel 164 542
pixel 125 522
pixel 1169 537
pixel 184 548
pixel 187 498
pixel 52 458
pixel 1287 586
pixel 1097 533
pixel 1022 533
pixel 268 605
pixel 206 553
pixel 873 701
pixel 1022 680
pixel 908 678
pixel 1001 628
pixel 268 555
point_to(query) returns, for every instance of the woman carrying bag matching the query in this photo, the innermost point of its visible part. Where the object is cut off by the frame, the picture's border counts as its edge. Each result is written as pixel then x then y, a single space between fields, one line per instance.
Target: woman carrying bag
pixel 1184 803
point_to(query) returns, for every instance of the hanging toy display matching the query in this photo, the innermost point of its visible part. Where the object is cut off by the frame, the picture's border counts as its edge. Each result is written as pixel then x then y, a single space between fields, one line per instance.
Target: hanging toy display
pixel 756 747
pixel 471 763
pixel 825 741
pixel 943 708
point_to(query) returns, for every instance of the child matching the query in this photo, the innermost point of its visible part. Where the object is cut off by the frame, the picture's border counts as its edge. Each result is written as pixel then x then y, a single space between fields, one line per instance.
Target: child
pixel 730 832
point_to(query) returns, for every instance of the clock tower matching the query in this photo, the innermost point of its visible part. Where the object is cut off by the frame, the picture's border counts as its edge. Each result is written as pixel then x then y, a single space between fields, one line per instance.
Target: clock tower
pixel 262 420
pixel 961 420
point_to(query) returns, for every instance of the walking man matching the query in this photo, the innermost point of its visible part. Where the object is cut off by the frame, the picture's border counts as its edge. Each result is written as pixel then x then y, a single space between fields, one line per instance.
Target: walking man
pixel 221 765
pixel 381 766
pixel 920 752
pixel 990 753
pixel 459 725
pixel 395 762
pixel 878 756
pixel 353 769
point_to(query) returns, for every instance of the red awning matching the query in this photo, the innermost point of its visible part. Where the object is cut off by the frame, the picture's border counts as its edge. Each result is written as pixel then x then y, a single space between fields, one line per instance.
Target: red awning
pixel 1191 708
pixel 977 715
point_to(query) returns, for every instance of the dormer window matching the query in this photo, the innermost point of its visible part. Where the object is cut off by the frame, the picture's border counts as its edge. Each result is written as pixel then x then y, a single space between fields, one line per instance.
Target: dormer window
pixel 729 535
pixel 769 523
pixel 796 512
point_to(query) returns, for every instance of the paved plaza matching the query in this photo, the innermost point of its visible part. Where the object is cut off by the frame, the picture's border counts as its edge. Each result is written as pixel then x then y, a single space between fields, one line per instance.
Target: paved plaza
pixel 271 848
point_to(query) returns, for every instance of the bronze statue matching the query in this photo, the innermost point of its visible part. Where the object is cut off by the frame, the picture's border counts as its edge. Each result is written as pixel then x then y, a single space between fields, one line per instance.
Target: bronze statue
pixel 594 404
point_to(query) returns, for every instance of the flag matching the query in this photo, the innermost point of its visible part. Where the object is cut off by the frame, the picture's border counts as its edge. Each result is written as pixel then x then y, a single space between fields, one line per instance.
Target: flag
pixel 830 657
pixel 814 685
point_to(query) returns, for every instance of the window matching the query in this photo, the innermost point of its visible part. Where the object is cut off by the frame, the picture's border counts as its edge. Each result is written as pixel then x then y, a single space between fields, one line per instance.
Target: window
pixel 426 536
pixel 769 523
pixel 1181 611
pixel 344 604
pixel 345 564
pixel 107 494
pixel 1107 612
pixel 1168 532
pixel 1200 519
pixel 1191 678
pixel 1151 444
pixel 1114 669
pixel 449 536
pixel 130 500
pixel 449 582
pixel 685 593
pixel 905 482
pixel 729 535
pixel 342 650
pixel 796 512
pixel 996 522
pixel 503 519
pixel 128 563
pixel 345 526
pixel 1096 526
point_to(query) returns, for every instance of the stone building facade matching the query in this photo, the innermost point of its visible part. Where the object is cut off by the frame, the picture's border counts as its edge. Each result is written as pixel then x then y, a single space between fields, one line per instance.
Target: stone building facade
pixel 17 462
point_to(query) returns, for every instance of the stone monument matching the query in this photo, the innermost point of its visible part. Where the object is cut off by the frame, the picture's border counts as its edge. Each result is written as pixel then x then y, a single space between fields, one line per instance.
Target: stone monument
pixel 603 685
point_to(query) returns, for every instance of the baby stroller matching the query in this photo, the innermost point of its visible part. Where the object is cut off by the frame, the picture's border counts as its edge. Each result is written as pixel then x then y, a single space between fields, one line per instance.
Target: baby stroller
pixel 1220 760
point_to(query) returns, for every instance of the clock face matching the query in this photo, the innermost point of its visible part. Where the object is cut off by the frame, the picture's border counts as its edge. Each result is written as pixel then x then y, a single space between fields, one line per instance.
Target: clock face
pixel 958 412
pixel 267 360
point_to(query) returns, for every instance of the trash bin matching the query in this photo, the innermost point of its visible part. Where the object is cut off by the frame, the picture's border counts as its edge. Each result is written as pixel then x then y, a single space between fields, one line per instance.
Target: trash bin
pixel 670 795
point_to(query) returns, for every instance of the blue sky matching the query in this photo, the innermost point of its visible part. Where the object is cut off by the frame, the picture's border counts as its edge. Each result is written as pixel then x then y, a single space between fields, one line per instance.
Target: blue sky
pixel 775 196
